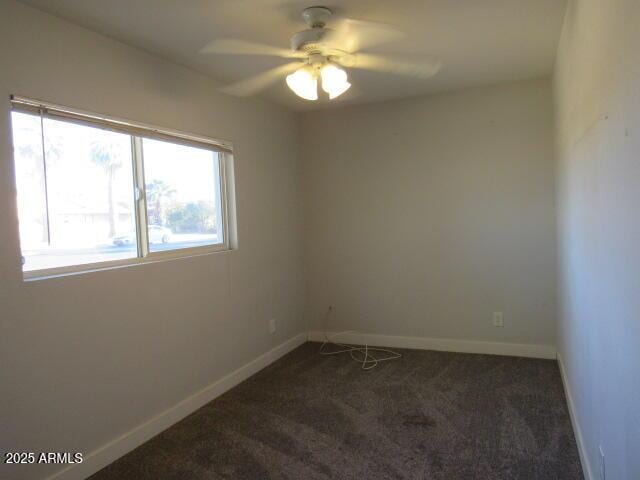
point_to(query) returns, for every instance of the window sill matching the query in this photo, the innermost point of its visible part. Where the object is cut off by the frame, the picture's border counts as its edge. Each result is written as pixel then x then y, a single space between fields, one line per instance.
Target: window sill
pixel 156 257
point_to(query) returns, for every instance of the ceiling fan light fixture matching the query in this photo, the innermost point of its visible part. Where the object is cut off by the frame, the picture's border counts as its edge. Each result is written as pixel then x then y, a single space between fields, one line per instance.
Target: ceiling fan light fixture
pixel 334 80
pixel 303 83
pixel 323 52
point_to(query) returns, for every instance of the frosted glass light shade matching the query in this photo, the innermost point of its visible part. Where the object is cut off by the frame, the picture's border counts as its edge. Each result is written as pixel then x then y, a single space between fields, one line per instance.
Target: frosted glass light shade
pixel 303 84
pixel 334 80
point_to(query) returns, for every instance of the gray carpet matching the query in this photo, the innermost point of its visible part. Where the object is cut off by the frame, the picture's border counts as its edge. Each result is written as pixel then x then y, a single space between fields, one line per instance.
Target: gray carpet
pixel 428 415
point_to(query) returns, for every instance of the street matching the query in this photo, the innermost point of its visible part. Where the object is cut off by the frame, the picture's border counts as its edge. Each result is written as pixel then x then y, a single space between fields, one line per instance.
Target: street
pixel 51 258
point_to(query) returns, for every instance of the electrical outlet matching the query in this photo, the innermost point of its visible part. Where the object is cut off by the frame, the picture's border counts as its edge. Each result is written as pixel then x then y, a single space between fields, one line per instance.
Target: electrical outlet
pixel 603 471
pixel 498 319
pixel 272 326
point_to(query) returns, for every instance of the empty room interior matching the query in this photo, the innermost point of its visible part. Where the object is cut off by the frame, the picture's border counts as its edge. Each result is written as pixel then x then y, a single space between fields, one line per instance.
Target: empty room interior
pixel 284 239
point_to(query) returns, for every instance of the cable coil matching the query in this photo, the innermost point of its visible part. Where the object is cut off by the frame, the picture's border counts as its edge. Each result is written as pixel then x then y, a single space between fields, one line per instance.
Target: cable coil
pixel 364 355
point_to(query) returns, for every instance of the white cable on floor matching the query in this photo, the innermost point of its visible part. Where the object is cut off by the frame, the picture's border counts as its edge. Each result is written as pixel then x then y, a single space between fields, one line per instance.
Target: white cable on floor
pixel 360 354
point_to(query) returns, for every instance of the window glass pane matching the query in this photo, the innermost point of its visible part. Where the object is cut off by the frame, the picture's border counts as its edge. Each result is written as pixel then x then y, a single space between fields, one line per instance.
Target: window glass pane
pixel 89 187
pixel 183 196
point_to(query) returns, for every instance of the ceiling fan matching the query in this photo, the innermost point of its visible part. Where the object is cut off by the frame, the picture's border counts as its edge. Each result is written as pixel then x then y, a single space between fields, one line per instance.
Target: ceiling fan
pixel 320 54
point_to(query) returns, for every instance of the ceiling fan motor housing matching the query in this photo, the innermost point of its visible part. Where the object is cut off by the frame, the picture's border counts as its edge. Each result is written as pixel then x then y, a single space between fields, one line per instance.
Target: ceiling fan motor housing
pixel 312 40
pixel 309 40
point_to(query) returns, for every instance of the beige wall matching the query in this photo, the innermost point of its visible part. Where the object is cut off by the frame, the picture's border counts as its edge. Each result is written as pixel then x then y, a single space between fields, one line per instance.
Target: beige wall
pixel 597 96
pixel 86 358
pixel 422 217
pixel 425 215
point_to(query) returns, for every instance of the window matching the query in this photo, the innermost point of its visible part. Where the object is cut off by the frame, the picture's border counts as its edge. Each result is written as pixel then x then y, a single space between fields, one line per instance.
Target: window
pixel 183 193
pixel 94 192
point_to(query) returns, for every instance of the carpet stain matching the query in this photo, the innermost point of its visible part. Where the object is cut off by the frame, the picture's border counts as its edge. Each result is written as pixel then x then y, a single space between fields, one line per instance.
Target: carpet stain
pixel 419 421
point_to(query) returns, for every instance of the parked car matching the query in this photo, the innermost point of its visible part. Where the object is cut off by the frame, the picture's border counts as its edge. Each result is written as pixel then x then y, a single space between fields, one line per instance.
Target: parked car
pixel 156 234
pixel 127 239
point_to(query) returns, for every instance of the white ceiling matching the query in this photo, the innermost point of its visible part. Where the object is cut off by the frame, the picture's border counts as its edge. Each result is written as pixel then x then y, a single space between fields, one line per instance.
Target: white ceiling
pixel 480 42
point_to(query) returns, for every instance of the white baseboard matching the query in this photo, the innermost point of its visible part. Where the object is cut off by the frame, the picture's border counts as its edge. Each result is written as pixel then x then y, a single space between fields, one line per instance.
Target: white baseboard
pixel 584 458
pixel 113 450
pixel 444 344
pixel 119 446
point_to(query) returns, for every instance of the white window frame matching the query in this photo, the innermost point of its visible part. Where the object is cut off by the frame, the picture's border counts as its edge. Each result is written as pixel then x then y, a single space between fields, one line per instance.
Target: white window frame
pixel 138 132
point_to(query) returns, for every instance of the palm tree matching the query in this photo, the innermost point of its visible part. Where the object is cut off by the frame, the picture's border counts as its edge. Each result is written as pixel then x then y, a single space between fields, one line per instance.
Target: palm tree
pixel 29 151
pixel 29 154
pixel 157 191
pixel 108 156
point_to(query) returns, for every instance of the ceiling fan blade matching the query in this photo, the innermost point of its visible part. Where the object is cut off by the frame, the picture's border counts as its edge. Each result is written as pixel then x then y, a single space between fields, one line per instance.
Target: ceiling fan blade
pixel 423 69
pixel 259 82
pixel 233 46
pixel 354 35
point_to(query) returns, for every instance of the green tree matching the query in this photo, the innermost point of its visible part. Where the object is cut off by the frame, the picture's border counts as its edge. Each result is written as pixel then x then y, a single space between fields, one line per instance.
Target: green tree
pixel 192 217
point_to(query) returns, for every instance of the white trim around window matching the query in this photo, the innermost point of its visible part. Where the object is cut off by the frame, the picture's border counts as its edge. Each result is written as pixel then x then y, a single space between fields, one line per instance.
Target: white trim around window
pixel 223 174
